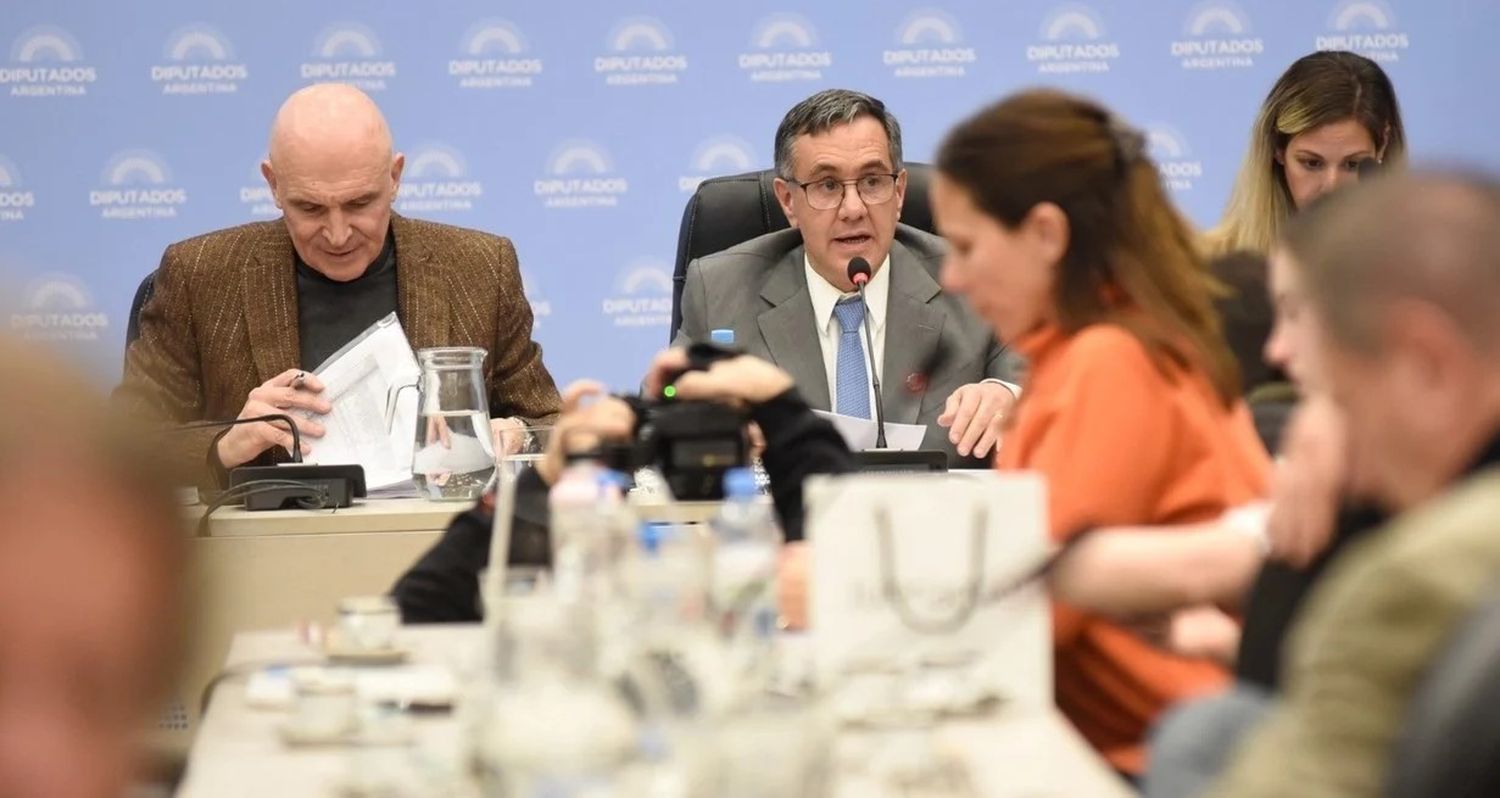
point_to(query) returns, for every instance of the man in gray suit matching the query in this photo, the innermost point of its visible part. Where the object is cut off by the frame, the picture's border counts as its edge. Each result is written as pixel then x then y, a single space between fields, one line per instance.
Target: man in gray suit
pixel 788 297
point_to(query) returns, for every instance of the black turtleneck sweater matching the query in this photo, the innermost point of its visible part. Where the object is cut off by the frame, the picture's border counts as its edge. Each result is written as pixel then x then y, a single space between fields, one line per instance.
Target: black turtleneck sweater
pixel 330 313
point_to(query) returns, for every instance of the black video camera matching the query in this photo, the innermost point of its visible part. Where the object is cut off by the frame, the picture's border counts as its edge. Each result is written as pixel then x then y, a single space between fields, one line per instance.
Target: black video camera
pixel 692 443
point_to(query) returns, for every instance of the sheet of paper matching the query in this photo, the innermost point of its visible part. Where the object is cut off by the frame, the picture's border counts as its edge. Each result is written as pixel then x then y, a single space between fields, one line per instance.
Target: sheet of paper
pixel 359 380
pixel 397 490
pixel 859 433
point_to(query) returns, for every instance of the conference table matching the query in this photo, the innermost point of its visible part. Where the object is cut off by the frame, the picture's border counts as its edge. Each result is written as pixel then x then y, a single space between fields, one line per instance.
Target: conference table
pixel 1016 751
pixel 280 568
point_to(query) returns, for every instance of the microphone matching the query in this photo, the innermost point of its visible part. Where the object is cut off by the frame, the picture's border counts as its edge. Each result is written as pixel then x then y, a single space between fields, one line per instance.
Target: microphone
pixel 859 275
pixel 276 487
pixel 296 452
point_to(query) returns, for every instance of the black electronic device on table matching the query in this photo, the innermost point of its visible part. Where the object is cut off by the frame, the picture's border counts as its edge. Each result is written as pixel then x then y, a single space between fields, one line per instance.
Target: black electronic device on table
pixel 890 461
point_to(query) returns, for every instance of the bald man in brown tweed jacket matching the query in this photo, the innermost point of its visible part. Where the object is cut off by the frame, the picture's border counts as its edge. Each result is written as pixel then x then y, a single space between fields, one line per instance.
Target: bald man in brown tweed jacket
pixel 237 315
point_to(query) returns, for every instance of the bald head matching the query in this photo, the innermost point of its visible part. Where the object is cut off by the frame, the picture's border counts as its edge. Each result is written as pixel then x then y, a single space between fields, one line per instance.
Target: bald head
pixel 334 176
pixel 328 119
pixel 1433 238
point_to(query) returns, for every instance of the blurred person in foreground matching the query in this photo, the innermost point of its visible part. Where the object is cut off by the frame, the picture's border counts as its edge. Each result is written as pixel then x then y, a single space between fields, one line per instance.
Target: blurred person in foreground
pixel 92 566
pixel 1063 239
pixel 1137 571
pixel 1257 562
pixel 1401 284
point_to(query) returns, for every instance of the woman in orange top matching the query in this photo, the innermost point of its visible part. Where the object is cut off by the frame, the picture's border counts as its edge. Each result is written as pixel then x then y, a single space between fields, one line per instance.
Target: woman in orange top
pixel 1063 239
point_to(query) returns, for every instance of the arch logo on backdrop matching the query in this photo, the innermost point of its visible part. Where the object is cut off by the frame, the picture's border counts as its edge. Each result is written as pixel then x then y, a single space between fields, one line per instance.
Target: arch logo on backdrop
pixel 642 295
pixel 929 43
pixel 640 52
pixel 137 185
pixel 1217 35
pixel 784 48
pixel 436 180
pixel 1179 170
pixel 1367 27
pixel 716 157
pixel 46 61
pixel 15 199
pixel 199 59
pixel 1074 40
pixel 494 54
pixel 580 174
pixel 58 307
pixel 349 52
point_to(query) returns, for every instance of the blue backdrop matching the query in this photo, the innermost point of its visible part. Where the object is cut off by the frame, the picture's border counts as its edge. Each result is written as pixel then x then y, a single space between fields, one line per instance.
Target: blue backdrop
pixel 580 128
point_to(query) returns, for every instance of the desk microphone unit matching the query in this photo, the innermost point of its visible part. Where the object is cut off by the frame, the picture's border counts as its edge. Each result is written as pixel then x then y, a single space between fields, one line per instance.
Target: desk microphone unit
pixel 277 487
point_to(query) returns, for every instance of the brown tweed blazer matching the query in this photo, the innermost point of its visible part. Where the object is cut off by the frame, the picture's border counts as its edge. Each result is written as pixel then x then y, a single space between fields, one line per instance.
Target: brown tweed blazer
pixel 222 319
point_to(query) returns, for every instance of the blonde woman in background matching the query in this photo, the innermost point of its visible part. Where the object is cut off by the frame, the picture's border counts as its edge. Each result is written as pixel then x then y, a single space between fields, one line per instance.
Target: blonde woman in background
pixel 1328 113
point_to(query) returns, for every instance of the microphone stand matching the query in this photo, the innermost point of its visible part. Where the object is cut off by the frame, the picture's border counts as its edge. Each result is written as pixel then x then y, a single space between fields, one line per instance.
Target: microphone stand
pixel 874 375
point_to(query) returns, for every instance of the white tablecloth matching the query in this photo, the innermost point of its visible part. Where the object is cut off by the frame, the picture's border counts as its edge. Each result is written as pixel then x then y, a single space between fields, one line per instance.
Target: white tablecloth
pixel 1016 752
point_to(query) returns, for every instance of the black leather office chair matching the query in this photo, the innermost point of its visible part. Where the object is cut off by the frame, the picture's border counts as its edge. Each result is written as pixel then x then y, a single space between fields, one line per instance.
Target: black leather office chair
pixel 725 211
pixel 1449 744
pixel 142 294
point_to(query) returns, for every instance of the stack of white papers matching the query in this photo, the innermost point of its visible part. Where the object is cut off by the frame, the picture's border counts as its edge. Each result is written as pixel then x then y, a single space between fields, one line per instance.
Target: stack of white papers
pixel 359 381
pixel 859 433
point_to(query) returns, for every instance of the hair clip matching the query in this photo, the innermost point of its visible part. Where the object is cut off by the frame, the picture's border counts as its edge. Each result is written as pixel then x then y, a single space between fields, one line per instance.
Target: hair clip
pixel 1130 144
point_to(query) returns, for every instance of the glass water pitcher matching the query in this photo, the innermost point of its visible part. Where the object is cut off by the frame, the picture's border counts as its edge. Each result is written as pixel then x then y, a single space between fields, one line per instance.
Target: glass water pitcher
pixel 454 456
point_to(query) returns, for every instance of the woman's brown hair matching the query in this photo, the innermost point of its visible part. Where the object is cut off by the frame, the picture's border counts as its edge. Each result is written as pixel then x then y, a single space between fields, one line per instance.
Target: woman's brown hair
pixel 1131 258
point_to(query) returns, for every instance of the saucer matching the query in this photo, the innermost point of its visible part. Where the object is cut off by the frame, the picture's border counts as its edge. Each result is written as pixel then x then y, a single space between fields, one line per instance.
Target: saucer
pixel 341 651
pixel 295 734
pixel 385 731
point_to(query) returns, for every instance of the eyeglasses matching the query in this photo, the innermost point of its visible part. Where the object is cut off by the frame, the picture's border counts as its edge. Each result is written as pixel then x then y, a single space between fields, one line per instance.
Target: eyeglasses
pixel 826 193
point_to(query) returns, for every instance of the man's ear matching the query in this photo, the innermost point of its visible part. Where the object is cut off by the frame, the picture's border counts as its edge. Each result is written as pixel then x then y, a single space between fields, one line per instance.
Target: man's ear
pixel 398 164
pixel 1434 365
pixel 270 175
pixel 900 191
pixel 783 191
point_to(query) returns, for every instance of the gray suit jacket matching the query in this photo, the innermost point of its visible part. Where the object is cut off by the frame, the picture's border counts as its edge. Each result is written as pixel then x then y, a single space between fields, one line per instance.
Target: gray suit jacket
pixel 759 289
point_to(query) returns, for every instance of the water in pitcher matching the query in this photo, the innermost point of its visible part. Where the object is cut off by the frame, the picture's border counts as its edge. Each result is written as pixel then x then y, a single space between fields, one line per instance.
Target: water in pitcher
pixel 455 455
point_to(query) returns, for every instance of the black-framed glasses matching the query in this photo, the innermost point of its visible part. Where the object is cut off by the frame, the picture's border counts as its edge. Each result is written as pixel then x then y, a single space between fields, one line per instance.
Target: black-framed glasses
pixel 827 193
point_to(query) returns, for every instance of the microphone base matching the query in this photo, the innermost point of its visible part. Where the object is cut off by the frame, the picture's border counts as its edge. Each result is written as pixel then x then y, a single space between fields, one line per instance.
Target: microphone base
pixel 334 485
pixel 892 460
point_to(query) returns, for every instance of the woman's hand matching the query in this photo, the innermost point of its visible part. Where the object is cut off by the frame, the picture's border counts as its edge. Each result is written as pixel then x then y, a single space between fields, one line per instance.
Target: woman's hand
pixel 741 381
pixel 589 415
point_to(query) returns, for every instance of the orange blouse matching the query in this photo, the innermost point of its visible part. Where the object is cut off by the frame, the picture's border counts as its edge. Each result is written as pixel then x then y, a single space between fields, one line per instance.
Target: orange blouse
pixel 1123 442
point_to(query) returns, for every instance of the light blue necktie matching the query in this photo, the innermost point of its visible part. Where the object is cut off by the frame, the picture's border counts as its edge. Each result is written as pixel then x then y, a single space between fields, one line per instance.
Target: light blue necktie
pixel 852 383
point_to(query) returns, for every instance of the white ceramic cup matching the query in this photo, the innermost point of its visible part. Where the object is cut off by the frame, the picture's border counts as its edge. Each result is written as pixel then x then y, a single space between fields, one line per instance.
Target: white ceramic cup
pixel 369 623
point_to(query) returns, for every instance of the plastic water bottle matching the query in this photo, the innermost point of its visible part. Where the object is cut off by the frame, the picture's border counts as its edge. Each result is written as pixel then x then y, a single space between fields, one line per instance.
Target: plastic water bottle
pixel 583 509
pixel 747 545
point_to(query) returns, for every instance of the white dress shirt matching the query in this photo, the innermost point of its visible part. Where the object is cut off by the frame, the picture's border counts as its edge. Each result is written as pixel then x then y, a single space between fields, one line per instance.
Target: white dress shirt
pixel 877 295
pixel 824 296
